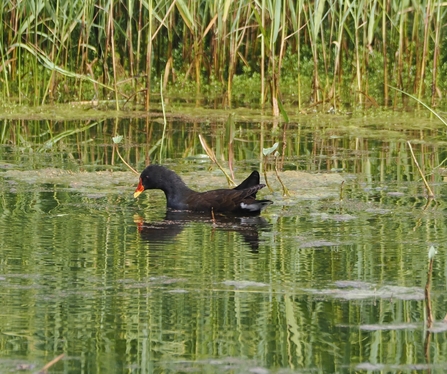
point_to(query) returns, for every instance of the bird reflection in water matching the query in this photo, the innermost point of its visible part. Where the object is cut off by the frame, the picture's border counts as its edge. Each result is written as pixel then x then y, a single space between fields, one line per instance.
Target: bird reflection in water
pixel 166 230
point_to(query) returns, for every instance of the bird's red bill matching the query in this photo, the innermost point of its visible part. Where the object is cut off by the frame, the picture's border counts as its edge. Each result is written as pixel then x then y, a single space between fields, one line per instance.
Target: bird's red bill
pixel 139 189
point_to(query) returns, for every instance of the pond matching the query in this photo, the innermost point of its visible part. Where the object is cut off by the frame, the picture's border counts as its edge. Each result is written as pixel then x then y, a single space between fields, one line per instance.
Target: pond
pixel 330 278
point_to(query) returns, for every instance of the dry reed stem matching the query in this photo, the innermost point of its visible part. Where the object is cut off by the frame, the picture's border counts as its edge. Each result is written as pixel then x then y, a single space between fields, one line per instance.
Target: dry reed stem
pixel 427 186
pixel 213 158
pixel 51 363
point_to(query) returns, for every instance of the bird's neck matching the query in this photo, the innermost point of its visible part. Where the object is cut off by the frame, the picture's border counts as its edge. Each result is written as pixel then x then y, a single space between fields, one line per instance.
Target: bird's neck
pixel 174 189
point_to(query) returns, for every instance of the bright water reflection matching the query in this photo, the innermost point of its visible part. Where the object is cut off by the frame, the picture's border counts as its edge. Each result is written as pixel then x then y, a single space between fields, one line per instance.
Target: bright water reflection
pixel 316 284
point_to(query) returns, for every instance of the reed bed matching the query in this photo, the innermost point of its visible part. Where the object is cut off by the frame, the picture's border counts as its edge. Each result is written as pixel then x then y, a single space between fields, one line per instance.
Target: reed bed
pixel 266 52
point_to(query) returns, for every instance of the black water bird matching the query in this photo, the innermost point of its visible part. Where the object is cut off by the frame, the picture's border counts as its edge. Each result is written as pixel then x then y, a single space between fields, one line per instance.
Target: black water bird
pixel 238 201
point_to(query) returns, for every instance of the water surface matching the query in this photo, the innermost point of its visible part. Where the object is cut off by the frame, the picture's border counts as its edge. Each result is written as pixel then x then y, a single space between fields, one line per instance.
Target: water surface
pixel 329 279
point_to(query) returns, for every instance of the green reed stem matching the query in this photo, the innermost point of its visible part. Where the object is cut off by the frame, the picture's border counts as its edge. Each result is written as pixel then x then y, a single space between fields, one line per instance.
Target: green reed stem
pixel 164 119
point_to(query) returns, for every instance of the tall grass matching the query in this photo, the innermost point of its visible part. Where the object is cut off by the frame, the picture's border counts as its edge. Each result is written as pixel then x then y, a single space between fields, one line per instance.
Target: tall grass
pixel 63 51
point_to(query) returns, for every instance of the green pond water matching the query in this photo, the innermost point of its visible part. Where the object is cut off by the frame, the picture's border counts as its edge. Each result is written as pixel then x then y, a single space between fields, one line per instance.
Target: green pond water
pixel 329 279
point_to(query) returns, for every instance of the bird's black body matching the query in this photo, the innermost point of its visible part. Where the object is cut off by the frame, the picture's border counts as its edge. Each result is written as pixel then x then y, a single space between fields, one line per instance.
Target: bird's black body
pixel 240 200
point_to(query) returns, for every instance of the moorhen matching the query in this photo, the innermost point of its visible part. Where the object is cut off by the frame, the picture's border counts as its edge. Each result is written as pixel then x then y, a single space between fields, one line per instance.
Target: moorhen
pixel 239 201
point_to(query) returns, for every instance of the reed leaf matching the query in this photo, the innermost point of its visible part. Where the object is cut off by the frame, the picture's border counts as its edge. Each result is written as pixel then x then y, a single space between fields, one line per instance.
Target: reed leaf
pixel 226 9
pixel 372 22
pixel 186 15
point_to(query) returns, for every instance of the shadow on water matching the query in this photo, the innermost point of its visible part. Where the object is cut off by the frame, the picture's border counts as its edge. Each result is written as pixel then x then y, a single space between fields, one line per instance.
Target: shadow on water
pixel 166 230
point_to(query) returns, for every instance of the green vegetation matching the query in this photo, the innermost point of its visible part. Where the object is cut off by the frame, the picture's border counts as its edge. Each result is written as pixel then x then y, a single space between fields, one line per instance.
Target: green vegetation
pixel 249 52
